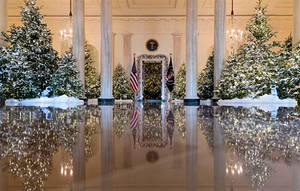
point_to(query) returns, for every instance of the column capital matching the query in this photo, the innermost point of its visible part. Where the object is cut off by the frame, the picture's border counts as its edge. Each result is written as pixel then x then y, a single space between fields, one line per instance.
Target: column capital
pixel 177 34
pixel 127 34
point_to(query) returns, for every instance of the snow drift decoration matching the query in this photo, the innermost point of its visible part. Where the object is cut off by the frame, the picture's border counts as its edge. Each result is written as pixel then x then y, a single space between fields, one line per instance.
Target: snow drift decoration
pixel 62 102
pixel 265 102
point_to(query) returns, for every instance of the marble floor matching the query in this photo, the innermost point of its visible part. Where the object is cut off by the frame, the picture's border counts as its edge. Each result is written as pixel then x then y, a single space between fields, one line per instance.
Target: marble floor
pixel 149 147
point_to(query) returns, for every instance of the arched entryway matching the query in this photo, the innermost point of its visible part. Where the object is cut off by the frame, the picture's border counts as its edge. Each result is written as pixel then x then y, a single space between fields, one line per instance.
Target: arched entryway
pixel 147 60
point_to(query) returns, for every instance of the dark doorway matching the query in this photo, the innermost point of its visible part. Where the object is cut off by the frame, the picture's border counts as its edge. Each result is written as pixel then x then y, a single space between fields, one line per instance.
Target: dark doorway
pixel 152 81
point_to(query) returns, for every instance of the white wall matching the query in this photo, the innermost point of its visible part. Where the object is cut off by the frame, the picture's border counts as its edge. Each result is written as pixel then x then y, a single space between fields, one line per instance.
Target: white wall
pixel 161 29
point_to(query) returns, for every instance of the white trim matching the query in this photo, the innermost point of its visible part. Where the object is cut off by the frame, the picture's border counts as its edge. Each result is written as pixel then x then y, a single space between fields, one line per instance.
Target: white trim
pixel 148 57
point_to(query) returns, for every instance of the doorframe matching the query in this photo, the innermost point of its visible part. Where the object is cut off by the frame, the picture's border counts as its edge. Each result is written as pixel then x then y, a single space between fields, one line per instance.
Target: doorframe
pixel 141 73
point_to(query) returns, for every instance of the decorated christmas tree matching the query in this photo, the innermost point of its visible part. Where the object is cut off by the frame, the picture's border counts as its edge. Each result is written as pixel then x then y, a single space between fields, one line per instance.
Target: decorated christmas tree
pixel 250 71
pixel 92 79
pixel 66 79
pixel 288 70
pixel 206 80
pixel 32 59
pixel 3 69
pixel 180 81
pixel 121 87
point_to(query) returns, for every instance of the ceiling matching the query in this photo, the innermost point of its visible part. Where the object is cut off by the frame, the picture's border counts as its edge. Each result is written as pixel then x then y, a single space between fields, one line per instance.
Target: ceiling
pixel 154 7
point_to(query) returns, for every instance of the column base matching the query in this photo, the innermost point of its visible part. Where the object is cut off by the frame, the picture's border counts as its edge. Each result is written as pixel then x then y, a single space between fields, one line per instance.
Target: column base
pixel 215 98
pixel 85 100
pixel 191 102
pixel 2 102
pixel 106 101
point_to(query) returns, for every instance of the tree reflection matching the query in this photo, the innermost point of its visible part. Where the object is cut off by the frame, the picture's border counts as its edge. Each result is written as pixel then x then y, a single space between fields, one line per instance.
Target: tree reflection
pixel 257 137
pixel 30 137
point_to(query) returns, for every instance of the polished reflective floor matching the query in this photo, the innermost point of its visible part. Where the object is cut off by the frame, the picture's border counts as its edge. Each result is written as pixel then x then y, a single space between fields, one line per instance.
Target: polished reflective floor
pixel 149 147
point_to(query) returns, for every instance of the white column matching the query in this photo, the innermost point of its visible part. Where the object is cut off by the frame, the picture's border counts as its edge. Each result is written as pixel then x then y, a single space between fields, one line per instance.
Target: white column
pixel 191 50
pixel 296 21
pixel 106 50
pixel 219 38
pixel 127 52
pixel 219 154
pixel 114 63
pixel 177 39
pixel 79 36
pixel 3 17
pixel 191 114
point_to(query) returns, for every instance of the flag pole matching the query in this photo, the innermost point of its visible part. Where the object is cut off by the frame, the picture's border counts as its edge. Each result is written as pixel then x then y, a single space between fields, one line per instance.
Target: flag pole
pixel 170 95
pixel 135 96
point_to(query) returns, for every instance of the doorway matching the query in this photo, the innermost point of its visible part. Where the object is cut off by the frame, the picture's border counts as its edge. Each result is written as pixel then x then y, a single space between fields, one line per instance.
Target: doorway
pixel 152 82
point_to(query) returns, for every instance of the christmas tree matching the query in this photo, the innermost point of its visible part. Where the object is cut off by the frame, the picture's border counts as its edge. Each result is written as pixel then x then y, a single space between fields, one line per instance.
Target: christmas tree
pixel 66 79
pixel 288 71
pixel 3 64
pixel 291 69
pixel 206 80
pixel 32 59
pixel 180 81
pixel 92 79
pixel 250 71
pixel 121 87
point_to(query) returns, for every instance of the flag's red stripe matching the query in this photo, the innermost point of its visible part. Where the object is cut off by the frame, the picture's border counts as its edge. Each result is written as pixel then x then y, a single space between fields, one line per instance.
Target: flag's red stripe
pixel 134 82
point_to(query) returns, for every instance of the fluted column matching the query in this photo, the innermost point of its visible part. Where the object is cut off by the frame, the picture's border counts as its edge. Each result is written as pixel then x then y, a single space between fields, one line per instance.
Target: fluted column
pixel 219 38
pixel 296 21
pixel 114 63
pixel 177 38
pixel 79 36
pixel 191 53
pixel 219 154
pixel 106 53
pixel 191 148
pixel 127 51
pixel 3 17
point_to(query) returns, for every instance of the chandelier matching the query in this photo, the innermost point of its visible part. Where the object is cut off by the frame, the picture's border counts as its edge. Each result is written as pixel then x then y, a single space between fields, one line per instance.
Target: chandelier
pixel 67 33
pixel 234 34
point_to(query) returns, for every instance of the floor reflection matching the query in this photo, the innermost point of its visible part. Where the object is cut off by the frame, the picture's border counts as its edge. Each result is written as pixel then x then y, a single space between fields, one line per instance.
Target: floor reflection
pixel 149 147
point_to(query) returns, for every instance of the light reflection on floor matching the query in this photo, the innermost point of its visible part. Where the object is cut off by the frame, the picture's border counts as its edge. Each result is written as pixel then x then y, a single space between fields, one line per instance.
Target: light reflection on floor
pixel 149 147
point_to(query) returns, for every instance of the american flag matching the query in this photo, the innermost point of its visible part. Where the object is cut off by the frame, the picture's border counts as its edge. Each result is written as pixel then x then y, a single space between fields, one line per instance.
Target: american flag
pixel 134 83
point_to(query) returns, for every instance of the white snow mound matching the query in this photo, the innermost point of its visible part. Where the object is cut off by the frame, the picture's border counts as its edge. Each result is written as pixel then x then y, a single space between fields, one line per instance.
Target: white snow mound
pixel 62 102
pixel 265 102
